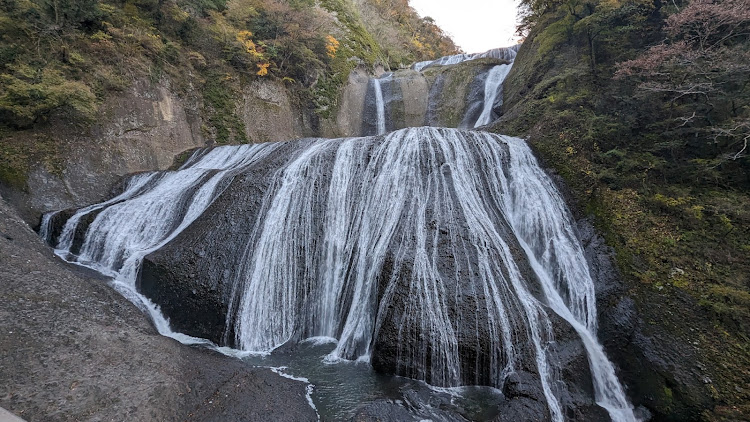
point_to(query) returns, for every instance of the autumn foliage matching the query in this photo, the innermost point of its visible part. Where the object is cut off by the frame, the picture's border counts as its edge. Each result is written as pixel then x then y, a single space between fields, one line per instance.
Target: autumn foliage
pixel 701 69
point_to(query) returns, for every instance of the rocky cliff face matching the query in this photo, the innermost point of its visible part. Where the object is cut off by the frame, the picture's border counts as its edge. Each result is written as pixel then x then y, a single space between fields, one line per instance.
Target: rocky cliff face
pixel 74 349
pixel 270 114
pixel 144 129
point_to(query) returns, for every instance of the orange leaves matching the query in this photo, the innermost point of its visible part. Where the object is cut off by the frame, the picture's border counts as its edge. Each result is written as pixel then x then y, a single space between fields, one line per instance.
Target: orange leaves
pixel 262 69
pixel 245 38
pixel 332 44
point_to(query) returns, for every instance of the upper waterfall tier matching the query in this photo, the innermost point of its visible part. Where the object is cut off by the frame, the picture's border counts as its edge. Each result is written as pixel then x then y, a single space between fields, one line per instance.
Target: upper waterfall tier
pixel 465 93
pixel 438 254
pixel 503 53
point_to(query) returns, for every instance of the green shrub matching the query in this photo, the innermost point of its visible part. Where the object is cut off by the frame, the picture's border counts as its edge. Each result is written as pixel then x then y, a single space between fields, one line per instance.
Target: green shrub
pixel 29 94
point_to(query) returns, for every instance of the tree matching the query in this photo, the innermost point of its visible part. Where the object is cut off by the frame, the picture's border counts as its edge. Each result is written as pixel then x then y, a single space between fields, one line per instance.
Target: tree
pixel 702 70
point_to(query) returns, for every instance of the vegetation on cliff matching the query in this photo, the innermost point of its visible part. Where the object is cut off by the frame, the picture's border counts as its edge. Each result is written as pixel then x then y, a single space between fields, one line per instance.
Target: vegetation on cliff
pixel 643 108
pixel 63 56
pixel 59 60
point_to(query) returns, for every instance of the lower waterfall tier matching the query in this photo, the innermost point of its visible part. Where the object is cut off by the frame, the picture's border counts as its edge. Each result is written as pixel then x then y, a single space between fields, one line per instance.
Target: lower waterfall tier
pixel 441 255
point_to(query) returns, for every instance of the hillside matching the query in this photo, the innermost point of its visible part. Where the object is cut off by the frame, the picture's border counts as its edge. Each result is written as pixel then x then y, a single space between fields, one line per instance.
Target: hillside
pixel 643 109
pixel 78 78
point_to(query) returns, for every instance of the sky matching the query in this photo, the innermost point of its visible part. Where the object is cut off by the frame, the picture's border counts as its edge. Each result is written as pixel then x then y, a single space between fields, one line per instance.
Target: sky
pixel 475 25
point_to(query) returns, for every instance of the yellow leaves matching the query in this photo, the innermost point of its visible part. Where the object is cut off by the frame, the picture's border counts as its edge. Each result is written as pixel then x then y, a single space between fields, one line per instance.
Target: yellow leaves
pixel 262 69
pixel 246 39
pixel 418 44
pixel 332 45
pixel 672 202
pixel 697 211
pixel 101 36
pixel 244 35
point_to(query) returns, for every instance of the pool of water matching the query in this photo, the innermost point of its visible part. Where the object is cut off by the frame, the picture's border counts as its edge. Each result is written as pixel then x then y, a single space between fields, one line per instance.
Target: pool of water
pixel 342 388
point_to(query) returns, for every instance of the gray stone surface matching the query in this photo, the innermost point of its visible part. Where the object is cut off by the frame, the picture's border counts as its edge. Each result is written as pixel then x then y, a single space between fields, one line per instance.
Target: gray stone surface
pixel 6 416
pixel 141 129
pixel 348 119
pixel 269 113
pixel 71 348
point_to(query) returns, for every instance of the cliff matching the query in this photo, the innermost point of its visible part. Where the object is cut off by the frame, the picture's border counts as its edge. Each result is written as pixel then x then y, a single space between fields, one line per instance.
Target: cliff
pixel 667 190
pixel 90 94
pixel 74 349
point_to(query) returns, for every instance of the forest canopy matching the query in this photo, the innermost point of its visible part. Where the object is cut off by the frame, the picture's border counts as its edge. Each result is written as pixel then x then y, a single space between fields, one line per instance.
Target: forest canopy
pixel 64 56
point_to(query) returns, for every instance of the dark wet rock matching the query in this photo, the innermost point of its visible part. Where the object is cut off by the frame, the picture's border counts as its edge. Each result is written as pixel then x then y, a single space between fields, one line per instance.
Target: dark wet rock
pixel 74 349
pixel 523 384
pixel 398 411
pixel 523 409
pixel 383 411
pixel 525 399
pixel 655 363
pixel 191 277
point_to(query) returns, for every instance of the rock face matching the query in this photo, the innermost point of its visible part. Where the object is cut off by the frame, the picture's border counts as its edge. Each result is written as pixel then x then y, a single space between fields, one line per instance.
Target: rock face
pixel 74 349
pixel 269 114
pixel 440 96
pixel 348 119
pixel 141 129
pixel 202 278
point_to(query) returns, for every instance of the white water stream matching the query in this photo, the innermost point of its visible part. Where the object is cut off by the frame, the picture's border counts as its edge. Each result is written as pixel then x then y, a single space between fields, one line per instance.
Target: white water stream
pixel 340 211
pixel 379 108
pixel 492 88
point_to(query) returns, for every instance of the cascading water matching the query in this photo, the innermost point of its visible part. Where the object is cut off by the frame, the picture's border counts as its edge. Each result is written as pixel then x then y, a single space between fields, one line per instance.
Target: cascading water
pixel 492 90
pixel 152 210
pixel 379 107
pixel 504 53
pixel 45 226
pixel 376 108
pixel 438 254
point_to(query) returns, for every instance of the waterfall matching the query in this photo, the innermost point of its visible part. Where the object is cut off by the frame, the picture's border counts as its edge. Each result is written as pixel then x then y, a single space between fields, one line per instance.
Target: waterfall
pixel 541 221
pixel 379 107
pixel 153 209
pixel 492 89
pixel 427 242
pixel 376 108
pixel 45 226
pixel 503 53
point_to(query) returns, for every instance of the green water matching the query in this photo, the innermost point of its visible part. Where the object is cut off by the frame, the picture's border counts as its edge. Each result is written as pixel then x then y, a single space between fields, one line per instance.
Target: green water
pixel 341 388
